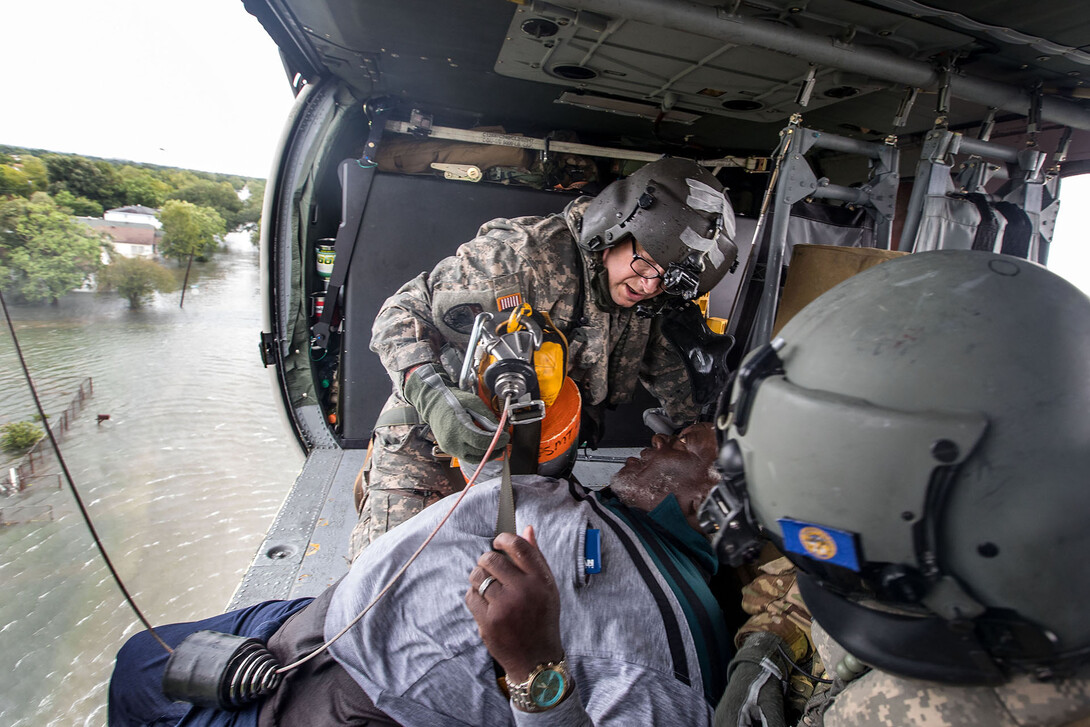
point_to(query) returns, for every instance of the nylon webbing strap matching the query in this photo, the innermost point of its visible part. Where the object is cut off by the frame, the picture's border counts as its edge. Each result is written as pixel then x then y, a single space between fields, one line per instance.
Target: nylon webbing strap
pixel 988 229
pixel 525 448
pixel 1019 231
pixel 355 186
pixel 505 517
pixel 355 176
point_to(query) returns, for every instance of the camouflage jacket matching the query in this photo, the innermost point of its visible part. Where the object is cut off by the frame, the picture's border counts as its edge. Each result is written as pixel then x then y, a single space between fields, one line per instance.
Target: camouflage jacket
pixel 878 699
pixel 534 260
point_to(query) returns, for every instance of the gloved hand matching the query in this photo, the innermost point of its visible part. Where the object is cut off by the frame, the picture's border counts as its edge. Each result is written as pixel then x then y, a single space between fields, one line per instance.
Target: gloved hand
pixel 755 685
pixel 463 426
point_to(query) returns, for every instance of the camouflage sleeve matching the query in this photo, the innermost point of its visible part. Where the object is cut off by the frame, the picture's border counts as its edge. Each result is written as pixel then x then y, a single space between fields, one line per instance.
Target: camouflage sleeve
pixel 665 376
pixel 403 335
pixel 877 699
pixel 773 601
pixel 439 307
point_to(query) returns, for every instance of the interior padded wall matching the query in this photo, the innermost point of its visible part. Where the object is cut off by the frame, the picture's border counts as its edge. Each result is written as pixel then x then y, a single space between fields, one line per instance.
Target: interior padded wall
pixel 410 224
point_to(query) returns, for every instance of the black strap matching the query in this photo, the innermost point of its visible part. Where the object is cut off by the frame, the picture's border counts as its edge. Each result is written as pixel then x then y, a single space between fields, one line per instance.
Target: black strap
pixel 355 176
pixel 1019 230
pixel 988 229
pixel 525 448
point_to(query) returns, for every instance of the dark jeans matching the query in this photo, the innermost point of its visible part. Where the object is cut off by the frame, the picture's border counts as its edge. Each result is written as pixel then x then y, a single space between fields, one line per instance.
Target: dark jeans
pixel 136 695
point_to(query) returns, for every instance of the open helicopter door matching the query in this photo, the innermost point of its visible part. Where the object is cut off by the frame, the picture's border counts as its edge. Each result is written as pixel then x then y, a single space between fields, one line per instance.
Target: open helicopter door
pixel 950 207
pixel 865 220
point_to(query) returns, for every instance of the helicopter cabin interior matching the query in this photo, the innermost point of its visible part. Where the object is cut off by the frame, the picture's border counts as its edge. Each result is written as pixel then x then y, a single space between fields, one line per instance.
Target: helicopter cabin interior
pixel 891 126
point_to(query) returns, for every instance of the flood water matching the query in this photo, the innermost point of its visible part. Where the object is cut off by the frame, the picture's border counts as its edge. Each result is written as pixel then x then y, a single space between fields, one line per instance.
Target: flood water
pixel 182 480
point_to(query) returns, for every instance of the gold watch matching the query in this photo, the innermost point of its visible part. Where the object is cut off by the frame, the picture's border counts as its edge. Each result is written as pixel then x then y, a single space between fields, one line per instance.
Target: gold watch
pixel 546 687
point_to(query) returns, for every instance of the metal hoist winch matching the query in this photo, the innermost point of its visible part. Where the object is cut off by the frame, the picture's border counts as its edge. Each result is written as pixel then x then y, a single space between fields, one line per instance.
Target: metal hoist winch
pixel 521 366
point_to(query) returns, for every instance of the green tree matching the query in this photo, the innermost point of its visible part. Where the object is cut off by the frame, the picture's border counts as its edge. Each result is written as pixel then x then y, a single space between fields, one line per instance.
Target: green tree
pixel 250 213
pixel 96 180
pixel 14 181
pixel 79 206
pixel 178 178
pixel 190 230
pixel 136 279
pixel 220 196
pixel 140 187
pixel 44 253
pixel 18 437
pixel 35 170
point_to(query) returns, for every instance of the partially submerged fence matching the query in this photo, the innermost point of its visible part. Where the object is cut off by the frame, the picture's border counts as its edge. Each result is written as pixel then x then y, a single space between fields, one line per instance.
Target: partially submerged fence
pixel 26 514
pixel 33 463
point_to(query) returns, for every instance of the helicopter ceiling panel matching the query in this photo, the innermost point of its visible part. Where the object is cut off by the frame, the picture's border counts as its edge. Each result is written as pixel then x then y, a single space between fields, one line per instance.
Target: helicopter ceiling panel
pixel 630 67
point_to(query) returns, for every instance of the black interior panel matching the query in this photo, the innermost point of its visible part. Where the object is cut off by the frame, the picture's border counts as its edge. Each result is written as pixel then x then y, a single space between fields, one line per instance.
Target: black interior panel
pixel 409 225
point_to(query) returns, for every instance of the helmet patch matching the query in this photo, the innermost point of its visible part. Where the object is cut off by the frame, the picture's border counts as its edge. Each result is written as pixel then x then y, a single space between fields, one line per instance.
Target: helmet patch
pixel 820 542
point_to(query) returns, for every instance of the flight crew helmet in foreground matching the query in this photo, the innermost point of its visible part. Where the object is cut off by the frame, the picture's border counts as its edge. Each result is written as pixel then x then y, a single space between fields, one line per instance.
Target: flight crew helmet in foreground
pixel 920 447
pixel 677 210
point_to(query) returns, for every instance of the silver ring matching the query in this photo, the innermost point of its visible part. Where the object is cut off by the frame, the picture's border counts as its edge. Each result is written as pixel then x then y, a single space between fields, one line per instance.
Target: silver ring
pixel 484 585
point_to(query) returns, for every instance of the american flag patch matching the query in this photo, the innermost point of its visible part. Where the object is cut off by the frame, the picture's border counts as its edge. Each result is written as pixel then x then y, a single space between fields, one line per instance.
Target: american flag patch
pixel 508 302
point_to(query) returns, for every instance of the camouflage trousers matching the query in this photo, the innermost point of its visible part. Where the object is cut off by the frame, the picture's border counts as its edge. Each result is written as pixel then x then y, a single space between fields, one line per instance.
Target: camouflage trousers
pixel 401 477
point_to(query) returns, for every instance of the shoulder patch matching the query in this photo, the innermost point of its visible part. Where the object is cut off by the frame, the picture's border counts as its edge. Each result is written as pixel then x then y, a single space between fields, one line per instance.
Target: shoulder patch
pixel 508 291
pixel 508 302
pixel 460 317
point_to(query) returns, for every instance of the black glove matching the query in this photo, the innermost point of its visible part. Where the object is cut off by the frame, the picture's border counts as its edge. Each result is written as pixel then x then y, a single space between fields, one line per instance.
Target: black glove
pixel 755 685
pixel 462 424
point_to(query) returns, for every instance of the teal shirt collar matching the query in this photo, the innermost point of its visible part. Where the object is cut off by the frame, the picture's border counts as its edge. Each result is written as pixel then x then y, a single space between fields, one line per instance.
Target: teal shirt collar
pixel 667 516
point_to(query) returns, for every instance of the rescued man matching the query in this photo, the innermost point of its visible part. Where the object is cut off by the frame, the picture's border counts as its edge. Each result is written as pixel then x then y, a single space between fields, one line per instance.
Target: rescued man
pixel 624 633
pixel 919 448
pixel 589 268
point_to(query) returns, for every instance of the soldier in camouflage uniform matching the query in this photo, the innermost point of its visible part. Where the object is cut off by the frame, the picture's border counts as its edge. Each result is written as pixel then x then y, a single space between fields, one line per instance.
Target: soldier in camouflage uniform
pixel 588 268
pixel 921 458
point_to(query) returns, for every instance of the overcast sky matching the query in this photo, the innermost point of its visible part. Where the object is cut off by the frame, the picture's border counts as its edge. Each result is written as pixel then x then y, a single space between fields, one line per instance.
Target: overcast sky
pixel 195 84
pixel 199 85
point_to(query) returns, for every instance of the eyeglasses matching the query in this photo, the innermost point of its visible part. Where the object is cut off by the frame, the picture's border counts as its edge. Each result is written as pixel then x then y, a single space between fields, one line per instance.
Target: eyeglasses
pixel 643 267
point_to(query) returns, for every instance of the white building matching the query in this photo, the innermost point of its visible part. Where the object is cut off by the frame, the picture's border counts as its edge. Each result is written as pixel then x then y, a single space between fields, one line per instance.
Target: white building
pixel 134 213
pixel 129 239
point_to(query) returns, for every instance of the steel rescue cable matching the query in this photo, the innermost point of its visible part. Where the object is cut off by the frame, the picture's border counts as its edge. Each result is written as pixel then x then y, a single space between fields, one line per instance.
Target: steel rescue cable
pixel 72 484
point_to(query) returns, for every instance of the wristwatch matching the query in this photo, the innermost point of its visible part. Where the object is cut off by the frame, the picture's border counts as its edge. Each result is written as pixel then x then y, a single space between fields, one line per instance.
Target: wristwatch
pixel 546 687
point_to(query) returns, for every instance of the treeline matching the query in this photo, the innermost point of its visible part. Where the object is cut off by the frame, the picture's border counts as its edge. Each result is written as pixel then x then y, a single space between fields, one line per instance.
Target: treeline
pixel 45 253
pixel 88 186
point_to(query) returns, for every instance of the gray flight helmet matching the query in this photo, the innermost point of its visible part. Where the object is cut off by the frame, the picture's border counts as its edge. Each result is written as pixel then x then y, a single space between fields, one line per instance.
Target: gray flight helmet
pixel 918 441
pixel 677 210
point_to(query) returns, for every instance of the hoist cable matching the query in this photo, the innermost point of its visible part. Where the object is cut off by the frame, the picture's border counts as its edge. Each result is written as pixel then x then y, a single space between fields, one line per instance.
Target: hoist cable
pixel 72 484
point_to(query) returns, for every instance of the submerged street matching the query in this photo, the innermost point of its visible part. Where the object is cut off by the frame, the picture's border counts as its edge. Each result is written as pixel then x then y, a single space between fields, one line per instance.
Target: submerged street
pixel 182 479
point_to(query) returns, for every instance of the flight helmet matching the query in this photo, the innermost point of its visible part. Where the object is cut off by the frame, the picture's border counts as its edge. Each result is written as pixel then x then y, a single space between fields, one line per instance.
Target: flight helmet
pixel 677 210
pixel 917 441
